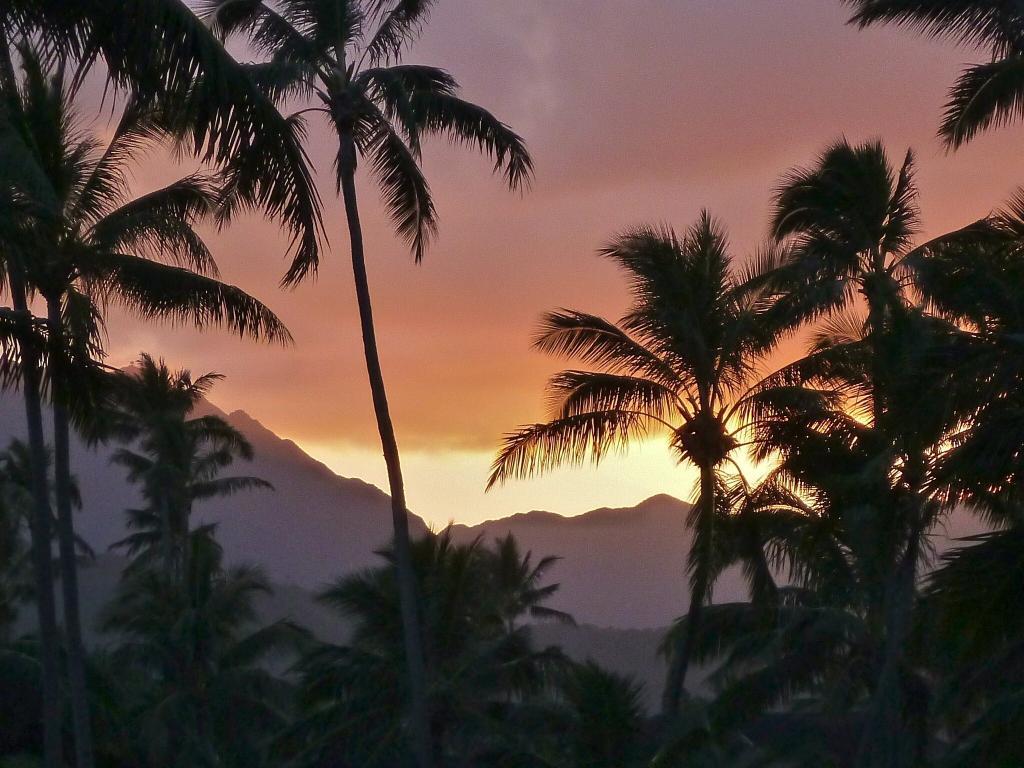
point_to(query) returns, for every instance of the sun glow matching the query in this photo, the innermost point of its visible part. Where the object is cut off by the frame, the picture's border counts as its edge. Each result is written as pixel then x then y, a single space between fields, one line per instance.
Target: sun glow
pixel 448 486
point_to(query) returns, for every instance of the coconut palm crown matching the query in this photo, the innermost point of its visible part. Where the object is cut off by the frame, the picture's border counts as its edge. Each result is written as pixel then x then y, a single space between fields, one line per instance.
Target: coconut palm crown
pixel 680 362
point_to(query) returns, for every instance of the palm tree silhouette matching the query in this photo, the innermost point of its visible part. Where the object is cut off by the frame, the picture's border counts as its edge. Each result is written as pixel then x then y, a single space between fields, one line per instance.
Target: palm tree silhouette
pixel 480 650
pixel 98 244
pixel 177 458
pixel 211 700
pixel 170 62
pixel 681 361
pixel 342 52
pixel 850 220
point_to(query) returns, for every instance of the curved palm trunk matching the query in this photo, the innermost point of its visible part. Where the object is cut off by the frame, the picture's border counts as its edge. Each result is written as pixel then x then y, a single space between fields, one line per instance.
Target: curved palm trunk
pixel 42 556
pixel 416 667
pixel 76 656
pixel 675 683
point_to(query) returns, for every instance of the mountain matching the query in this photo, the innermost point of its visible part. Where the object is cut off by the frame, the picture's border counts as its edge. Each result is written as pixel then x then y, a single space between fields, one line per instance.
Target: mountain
pixel 314 526
pixel 619 567
pixel 622 568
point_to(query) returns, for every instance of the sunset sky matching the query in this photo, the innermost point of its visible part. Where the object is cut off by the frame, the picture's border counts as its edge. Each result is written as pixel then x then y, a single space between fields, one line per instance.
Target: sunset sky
pixel 636 111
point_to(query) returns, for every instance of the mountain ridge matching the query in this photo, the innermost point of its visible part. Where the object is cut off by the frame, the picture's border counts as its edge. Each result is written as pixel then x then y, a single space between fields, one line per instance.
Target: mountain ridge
pixel 593 515
pixel 618 567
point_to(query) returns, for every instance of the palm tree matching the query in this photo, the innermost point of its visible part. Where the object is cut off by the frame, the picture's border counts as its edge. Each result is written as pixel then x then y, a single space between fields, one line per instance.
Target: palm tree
pixel 680 361
pixel 28 345
pixel 161 53
pixel 985 95
pixel 211 700
pixel 177 461
pixel 483 658
pixel 607 717
pixel 851 220
pixel 342 52
pixel 99 244
pixel 522 583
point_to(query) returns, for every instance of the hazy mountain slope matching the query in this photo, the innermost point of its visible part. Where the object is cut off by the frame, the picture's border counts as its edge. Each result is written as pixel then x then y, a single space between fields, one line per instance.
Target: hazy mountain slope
pixel 619 567
pixel 314 526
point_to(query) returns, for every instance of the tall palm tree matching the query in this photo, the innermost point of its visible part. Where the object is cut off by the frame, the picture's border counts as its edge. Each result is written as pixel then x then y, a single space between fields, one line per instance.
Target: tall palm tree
pixel 176 457
pixel 99 244
pixel 24 189
pixel 850 220
pixel 680 361
pixel 985 95
pixel 343 53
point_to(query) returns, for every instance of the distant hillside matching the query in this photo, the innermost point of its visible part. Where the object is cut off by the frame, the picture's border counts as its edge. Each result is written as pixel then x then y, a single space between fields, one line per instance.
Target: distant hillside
pixel 620 567
pixel 314 526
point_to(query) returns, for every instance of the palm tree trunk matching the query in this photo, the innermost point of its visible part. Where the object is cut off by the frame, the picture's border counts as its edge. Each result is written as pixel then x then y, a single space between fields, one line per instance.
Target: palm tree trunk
pixel 167 545
pixel 886 742
pixel 679 665
pixel 423 747
pixel 76 655
pixel 42 556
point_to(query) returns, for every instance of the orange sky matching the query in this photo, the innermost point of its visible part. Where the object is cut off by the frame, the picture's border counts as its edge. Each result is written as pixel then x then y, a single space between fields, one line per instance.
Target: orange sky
pixel 636 111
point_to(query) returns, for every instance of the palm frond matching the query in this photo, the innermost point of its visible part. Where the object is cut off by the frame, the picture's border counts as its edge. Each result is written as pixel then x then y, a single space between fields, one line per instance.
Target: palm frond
pixel 984 96
pixel 400 21
pixel 461 122
pixel 407 195
pixel 161 225
pixel 108 182
pixel 971 22
pixel 571 440
pixel 227 486
pixel 597 341
pixel 577 392
pixel 160 291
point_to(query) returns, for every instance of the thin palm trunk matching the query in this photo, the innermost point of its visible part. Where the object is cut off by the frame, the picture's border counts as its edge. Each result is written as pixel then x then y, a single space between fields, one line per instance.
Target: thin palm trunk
pixel 886 742
pixel 680 663
pixel 167 545
pixel 76 655
pixel 42 556
pixel 411 634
